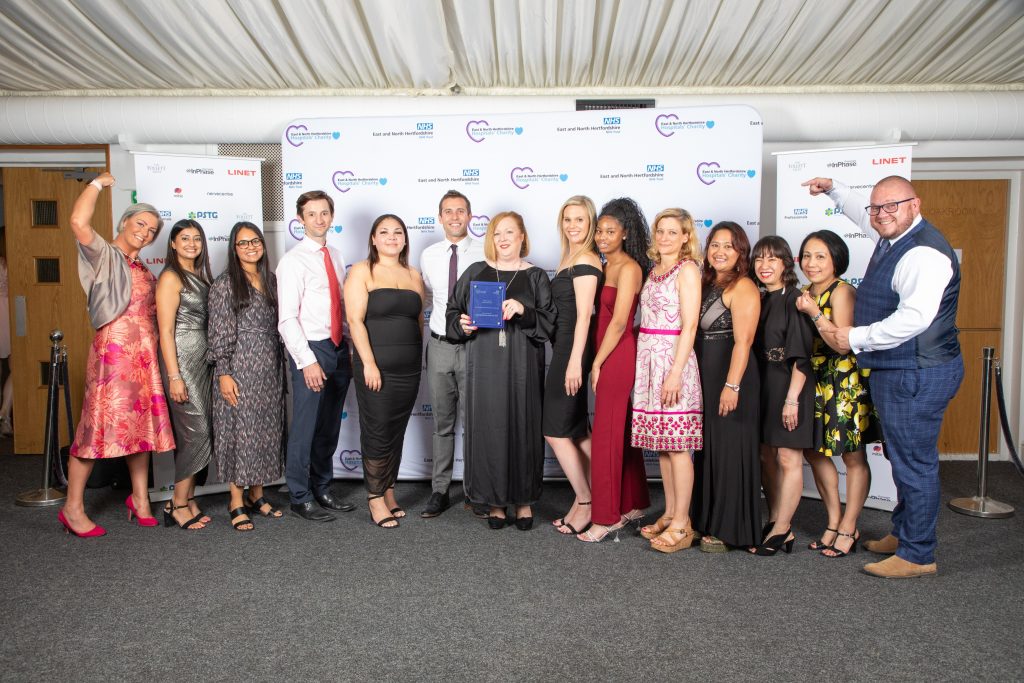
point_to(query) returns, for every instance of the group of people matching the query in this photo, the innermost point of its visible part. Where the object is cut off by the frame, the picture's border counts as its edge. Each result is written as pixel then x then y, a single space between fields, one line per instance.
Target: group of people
pixel 733 376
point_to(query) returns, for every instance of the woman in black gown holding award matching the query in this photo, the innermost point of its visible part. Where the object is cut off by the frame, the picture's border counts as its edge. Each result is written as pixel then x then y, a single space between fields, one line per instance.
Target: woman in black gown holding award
pixel 384 307
pixel 503 439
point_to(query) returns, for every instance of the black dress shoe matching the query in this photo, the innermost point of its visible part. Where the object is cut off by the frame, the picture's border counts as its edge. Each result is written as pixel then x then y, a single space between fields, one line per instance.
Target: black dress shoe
pixel 327 500
pixel 524 523
pixel 497 522
pixel 311 512
pixel 478 509
pixel 438 503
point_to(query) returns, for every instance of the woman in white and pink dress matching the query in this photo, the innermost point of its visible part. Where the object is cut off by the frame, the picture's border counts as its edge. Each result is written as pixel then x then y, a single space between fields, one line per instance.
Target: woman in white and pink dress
pixel 667 400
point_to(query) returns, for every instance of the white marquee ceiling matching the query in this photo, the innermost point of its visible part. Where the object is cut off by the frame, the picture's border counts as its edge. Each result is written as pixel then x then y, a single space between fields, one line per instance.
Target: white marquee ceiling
pixel 197 47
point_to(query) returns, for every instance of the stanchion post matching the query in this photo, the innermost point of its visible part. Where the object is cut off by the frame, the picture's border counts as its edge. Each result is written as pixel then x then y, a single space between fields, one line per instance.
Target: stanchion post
pixel 47 496
pixel 981 505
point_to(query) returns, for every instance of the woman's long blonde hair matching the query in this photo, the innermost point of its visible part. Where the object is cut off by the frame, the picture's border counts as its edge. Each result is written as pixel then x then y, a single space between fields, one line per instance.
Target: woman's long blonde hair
pixel 691 247
pixel 588 243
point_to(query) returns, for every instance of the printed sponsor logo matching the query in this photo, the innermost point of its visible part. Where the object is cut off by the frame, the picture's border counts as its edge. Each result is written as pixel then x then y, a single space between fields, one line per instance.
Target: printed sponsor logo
pixel 608 124
pixel 469 176
pixel 423 130
pixel 245 217
pixel 798 215
pixel 888 161
pixel 199 171
pixel 710 172
pixel 293 176
pixel 480 130
pixel 670 124
pixel 241 171
pixel 424 126
pixel 296 229
pixel 178 192
pixel 611 120
pixel 471 172
pixel 297 135
pixel 156 168
pixel 165 214
pixel 195 215
pixel 423 224
pixel 654 172
pixel 351 460
pixel 345 180
pixel 846 163
pixel 835 211
pixel 524 176
pixel 220 194
pixel 797 166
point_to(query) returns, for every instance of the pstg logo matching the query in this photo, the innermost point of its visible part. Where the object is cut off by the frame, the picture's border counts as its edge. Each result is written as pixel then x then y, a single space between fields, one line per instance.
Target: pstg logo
pixel 655 168
pixel 471 173
pixel 834 212
pixel 424 126
pixel 612 120
pixel 202 214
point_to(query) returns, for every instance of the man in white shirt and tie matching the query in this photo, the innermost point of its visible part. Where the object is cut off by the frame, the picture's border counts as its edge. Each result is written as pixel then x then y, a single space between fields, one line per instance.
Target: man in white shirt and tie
pixel 441 264
pixel 310 315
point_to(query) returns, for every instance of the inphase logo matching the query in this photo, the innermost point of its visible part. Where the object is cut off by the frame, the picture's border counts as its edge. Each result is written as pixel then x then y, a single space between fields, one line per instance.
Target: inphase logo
pixel 471 173
pixel 241 171
pixel 293 176
pixel 846 163
pixel 612 120
pixel 202 214
pixel 199 171
pixel 425 126
pixel 655 168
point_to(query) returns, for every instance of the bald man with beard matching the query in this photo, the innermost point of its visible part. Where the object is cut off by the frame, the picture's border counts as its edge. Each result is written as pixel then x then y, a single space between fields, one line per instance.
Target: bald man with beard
pixel 905 331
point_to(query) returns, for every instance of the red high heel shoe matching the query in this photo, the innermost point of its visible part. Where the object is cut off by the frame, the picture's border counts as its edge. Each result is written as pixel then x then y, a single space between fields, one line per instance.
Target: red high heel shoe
pixel 143 521
pixel 94 532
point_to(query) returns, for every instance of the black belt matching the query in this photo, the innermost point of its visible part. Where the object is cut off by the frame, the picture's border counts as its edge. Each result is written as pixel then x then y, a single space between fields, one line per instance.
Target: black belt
pixel 439 337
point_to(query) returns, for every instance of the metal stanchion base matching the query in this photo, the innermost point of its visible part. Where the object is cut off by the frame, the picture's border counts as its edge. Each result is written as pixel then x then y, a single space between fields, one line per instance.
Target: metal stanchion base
pixel 976 506
pixel 40 498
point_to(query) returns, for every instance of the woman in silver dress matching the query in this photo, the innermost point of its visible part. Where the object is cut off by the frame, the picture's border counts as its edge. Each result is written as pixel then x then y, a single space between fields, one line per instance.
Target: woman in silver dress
pixel 181 314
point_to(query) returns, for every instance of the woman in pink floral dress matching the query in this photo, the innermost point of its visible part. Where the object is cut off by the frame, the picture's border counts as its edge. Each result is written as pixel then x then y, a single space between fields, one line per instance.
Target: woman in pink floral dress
pixel 124 413
pixel 667 400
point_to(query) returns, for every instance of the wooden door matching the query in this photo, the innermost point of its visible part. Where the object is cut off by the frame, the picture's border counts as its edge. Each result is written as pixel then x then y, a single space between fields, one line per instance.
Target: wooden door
pixel 972 214
pixel 45 293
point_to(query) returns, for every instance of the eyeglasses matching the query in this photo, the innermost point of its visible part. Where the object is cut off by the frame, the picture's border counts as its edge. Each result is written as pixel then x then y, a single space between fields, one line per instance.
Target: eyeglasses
pixel 888 207
pixel 254 242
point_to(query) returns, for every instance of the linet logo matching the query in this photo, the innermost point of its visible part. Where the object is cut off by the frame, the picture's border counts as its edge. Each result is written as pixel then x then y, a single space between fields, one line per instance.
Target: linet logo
pixel 241 171
pixel 888 161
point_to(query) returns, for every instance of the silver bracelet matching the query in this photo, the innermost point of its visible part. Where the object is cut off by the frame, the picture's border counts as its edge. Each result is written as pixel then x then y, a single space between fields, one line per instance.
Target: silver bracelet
pixel 791 403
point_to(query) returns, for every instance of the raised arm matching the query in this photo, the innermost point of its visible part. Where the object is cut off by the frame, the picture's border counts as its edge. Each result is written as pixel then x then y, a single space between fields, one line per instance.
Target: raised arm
pixel 85 207
pixel 168 298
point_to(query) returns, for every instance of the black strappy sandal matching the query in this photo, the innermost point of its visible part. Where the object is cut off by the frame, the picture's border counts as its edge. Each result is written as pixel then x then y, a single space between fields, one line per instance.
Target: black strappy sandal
pixel 239 512
pixel 383 524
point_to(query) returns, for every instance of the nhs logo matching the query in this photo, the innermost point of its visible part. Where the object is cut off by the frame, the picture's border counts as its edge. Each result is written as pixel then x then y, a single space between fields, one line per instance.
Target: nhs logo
pixel 799 212
pixel 471 173
pixel 612 120
pixel 655 168
pixel 425 220
pixel 424 126
pixel 293 176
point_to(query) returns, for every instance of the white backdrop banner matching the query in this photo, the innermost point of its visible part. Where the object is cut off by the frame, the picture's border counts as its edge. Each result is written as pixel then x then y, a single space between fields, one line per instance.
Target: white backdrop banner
pixel 216 192
pixel 705 159
pixel 798 213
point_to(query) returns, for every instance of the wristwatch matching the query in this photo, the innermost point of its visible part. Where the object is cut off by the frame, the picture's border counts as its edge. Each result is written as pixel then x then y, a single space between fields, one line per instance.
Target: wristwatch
pixel 734 387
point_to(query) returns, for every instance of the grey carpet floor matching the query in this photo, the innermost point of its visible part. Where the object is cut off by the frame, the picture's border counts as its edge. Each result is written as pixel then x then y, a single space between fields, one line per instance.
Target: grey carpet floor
pixel 450 599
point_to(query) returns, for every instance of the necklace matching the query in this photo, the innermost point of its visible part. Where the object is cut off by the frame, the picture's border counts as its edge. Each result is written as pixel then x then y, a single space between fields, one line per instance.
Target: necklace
pixel 502 340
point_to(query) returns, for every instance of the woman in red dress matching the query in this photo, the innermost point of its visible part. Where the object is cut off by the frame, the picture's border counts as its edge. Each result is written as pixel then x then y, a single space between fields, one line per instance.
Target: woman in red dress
pixel 618 482
pixel 124 413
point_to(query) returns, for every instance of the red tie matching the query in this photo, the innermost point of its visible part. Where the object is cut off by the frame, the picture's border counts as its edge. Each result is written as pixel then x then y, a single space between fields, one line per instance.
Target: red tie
pixel 332 282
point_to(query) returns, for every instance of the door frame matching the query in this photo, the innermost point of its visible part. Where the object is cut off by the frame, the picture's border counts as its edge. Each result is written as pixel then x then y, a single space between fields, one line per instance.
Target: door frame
pixel 1012 341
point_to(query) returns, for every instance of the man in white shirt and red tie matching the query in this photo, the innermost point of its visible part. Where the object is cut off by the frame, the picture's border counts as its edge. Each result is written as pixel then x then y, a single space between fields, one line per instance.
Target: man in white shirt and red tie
pixel 309 299
pixel 441 264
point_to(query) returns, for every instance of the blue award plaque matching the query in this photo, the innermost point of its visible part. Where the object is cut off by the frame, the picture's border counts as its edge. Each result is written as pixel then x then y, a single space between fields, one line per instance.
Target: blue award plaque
pixel 485 300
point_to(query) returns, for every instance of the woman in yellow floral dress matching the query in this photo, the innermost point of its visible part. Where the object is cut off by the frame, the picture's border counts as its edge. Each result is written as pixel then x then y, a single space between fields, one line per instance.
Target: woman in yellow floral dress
pixel 843 411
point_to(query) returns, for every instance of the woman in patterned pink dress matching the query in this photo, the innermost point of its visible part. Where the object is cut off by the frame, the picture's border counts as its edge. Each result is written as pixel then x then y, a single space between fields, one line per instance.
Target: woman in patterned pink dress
pixel 124 413
pixel 667 401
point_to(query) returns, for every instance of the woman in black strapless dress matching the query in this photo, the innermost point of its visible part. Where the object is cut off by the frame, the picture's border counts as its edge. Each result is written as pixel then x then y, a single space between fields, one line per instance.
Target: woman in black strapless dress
pixel 384 308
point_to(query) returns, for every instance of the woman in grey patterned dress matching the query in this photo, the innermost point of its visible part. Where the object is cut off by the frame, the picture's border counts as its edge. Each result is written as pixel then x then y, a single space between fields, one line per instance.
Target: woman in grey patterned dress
pixel 248 408
pixel 181 318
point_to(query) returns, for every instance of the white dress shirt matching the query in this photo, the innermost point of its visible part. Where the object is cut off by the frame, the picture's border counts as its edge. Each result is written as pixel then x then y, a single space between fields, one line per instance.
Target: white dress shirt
pixel 304 298
pixel 434 267
pixel 920 278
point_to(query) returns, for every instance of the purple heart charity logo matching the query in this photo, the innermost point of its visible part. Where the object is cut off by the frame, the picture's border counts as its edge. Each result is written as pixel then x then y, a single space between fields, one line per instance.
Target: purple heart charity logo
pixel 517 171
pixel 294 130
pixel 469 130
pixel 704 165
pixel 478 225
pixel 663 119
pixel 296 229
pixel 339 177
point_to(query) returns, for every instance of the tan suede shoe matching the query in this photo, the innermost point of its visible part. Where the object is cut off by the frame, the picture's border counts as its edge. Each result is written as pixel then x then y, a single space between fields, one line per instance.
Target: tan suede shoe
pixel 882 546
pixel 896 567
